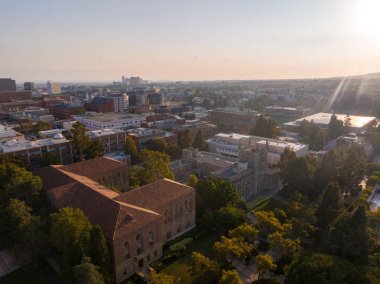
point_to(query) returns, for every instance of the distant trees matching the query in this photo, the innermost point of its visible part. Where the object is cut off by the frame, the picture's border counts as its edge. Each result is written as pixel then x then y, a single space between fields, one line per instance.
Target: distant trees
pixel 199 141
pixel 266 127
pixel 95 149
pixel 185 139
pixel 312 135
pixel 336 127
pixel 80 140
pixel 132 151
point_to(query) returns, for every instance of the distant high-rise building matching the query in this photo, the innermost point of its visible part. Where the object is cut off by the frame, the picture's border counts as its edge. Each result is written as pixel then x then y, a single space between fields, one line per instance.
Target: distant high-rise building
pixel 120 101
pixel 7 85
pixel 135 82
pixel 29 86
pixel 53 88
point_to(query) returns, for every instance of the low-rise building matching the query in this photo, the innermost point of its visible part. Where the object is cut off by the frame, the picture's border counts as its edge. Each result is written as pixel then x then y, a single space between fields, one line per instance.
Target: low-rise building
pixel 113 140
pixel 136 223
pixel 8 133
pixel 287 113
pixel 100 104
pixel 229 144
pixel 65 110
pixel 122 121
pixel 32 152
pixel 233 119
pixel 143 136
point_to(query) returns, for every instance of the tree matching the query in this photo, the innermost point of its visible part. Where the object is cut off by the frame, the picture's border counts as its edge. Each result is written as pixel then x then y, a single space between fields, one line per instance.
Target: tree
pixel 283 247
pixel 336 128
pixel 206 270
pixel 266 127
pixel 70 234
pixel 41 126
pixel 95 149
pixel 312 135
pixel 215 193
pixel 192 180
pixel 227 218
pixel 246 231
pixel 267 223
pixel 230 277
pixel 87 273
pixel 50 158
pixel 18 183
pixel 80 140
pixel 135 176
pixel 199 141
pixel 285 159
pixel 185 139
pixel 236 247
pixel 155 166
pixel 98 250
pixel 131 150
pixel 158 144
pixel 160 278
pixel 347 123
pixel 316 268
pixel 264 264
pixel 329 206
pixel 349 236
pixel 298 175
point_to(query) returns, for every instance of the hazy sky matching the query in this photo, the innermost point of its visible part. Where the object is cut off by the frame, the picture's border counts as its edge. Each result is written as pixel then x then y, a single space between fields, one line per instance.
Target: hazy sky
pixel 99 40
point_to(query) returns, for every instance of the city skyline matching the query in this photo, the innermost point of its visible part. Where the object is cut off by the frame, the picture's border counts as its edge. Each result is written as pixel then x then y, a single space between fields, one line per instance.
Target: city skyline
pixel 197 40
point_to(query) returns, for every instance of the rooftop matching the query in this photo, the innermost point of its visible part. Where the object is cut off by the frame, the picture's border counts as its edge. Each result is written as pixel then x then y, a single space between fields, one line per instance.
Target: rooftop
pixel 6 132
pixel 107 117
pixel 214 159
pixel 323 119
pixel 15 145
pixel 103 132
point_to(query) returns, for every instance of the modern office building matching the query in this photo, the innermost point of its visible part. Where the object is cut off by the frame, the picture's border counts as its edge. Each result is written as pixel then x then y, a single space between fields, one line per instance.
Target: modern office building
pixel 135 82
pixel 53 88
pixel 123 121
pixel 113 140
pixel 7 85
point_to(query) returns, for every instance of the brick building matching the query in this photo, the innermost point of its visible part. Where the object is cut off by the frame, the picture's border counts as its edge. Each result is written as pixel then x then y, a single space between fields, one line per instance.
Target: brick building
pixel 136 223
pixel 100 104
pixel 14 96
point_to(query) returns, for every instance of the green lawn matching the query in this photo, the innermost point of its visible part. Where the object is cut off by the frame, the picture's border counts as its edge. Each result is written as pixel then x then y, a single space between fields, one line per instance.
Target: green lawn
pixel 180 268
pixel 29 274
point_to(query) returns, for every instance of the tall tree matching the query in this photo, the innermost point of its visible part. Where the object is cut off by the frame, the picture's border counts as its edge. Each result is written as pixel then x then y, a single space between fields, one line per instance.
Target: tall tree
pixel 199 141
pixel 285 159
pixel 185 139
pixel 17 182
pixel 349 235
pixel 155 166
pixel 80 140
pixel 87 273
pixel 329 206
pixel 205 269
pixel 131 150
pixel 316 268
pixel 70 234
pixel 282 246
pixel 266 127
pixel 98 250
pixel 94 150
pixel 336 127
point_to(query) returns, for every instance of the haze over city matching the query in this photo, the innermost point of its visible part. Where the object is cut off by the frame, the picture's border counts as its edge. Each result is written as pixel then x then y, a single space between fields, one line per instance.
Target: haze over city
pixel 79 40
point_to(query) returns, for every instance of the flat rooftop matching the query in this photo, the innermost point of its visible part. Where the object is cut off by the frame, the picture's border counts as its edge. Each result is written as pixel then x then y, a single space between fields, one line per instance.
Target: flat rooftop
pixel 232 136
pixel 214 159
pixel 103 132
pixel 282 144
pixel 6 132
pixel 108 117
pixel 15 145
pixel 323 119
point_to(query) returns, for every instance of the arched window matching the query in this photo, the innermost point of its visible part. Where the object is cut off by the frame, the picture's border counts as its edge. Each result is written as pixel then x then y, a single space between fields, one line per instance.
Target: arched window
pixel 139 244
pixel 150 237
pixel 127 250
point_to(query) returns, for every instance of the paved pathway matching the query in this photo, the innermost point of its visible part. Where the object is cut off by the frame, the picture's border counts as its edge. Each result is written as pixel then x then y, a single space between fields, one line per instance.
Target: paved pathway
pixel 7 265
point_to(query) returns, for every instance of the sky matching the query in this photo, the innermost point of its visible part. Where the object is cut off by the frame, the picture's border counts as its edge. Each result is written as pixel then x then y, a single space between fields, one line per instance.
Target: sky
pixel 101 40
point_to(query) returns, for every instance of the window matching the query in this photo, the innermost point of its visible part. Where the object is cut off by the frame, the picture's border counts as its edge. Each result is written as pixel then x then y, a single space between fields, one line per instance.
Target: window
pixel 125 272
pixel 166 216
pixel 168 235
pixel 148 258
pixel 127 250
pixel 155 253
pixel 170 215
pixel 179 229
pixel 150 237
pixel 139 244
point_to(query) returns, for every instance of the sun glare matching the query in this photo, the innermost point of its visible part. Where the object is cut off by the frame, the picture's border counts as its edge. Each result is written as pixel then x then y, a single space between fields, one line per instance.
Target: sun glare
pixel 368 17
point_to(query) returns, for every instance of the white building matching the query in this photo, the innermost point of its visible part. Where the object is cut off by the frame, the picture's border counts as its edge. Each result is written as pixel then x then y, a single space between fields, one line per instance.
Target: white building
pixel 53 88
pixel 120 101
pixel 110 120
pixel 229 144
pixel 7 133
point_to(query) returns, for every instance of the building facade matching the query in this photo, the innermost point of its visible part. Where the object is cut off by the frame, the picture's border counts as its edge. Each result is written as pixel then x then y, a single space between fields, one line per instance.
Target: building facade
pixel 125 121
pixel 7 85
pixel 232 119
pixel 53 88
pixel 136 223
